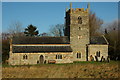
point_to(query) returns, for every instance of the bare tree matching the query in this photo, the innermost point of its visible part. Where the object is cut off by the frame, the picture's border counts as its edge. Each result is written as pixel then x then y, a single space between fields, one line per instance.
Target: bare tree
pixel 57 30
pixel 15 28
pixel 111 33
pixel 94 23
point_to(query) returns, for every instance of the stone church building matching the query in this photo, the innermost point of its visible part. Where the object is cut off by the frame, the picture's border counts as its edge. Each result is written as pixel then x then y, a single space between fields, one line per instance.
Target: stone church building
pixel 76 45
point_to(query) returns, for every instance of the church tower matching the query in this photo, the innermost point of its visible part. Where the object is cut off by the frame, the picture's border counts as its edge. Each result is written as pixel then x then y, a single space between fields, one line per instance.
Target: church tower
pixel 77 30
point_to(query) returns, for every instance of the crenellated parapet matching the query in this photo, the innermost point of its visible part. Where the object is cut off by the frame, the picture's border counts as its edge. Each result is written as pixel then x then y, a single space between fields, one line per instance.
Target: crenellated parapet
pixel 78 10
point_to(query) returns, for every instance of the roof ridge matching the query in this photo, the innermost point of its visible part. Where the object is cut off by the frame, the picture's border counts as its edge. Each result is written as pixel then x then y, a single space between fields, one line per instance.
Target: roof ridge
pixel 105 39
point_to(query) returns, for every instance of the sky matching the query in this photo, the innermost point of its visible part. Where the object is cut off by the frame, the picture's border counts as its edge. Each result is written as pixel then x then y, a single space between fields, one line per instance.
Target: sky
pixel 45 14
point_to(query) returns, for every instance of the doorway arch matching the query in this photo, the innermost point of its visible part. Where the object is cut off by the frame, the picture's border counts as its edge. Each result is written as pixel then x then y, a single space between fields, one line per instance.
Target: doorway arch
pixel 41 59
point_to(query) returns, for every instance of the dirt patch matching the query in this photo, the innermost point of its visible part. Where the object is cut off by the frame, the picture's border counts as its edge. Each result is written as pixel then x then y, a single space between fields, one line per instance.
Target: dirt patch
pixel 78 70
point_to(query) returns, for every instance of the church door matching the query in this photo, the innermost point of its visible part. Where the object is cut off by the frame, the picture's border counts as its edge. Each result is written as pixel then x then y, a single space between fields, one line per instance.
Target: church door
pixel 41 59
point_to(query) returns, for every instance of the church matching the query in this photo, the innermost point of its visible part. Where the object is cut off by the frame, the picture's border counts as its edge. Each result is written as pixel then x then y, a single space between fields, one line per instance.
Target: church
pixel 76 45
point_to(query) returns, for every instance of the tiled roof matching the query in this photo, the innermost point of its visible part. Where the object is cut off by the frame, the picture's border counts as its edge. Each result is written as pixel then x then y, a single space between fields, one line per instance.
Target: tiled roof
pixel 40 40
pixel 97 40
pixel 37 49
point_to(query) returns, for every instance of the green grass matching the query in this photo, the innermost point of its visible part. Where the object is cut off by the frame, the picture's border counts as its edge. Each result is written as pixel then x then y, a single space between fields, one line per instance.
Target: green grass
pixel 75 62
pixel 90 62
pixel 94 62
pixel 6 65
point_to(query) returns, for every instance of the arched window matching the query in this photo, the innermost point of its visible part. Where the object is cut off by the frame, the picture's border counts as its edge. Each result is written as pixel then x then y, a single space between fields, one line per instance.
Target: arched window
pixel 98 53
pixel 78 55
pixel 25 56
pixel 79 20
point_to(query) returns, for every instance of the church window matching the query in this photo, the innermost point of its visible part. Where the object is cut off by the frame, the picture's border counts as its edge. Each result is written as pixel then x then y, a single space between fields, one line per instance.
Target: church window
pixel 25 56
pixel 78 55
pixel 79 20
pixel 58 56
pixel 98 53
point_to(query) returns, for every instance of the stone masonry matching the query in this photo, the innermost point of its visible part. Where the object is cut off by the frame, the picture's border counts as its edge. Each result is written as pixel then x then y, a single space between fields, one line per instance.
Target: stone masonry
pixel 76 45
pixel 79 32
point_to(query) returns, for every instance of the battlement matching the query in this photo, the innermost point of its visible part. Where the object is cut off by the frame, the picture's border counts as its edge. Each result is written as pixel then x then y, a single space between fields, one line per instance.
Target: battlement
pixel 77 10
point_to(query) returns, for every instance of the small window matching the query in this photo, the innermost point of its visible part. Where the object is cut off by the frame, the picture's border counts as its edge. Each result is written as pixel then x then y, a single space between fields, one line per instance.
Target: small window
pixel 78 55
pixel 25 56
pixel 79 28
pixel 58 56
pixel 79 20
pixel 98 53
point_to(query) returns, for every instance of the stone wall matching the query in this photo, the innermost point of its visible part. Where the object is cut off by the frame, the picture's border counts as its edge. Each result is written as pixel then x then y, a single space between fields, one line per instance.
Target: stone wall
pixel 17 58
pixel 79 32
pixel 92 49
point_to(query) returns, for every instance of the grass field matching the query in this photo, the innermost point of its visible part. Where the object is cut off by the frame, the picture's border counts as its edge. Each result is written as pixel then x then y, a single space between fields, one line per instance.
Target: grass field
pixel 74 70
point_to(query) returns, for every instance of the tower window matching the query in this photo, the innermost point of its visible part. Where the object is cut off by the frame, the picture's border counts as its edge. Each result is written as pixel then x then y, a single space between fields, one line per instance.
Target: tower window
pixel 79 20
pixel 78 55
pixel 98 53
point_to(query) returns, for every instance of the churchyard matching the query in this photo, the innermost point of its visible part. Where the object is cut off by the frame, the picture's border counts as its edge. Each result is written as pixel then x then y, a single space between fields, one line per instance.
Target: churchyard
pixel 72 70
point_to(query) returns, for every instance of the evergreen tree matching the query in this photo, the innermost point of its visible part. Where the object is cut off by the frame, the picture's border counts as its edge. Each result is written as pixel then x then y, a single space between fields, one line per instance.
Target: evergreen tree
pixel 31 31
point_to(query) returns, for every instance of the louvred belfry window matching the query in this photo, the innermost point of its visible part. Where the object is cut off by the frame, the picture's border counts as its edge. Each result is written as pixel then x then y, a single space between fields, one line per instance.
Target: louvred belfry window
pixel 79 20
